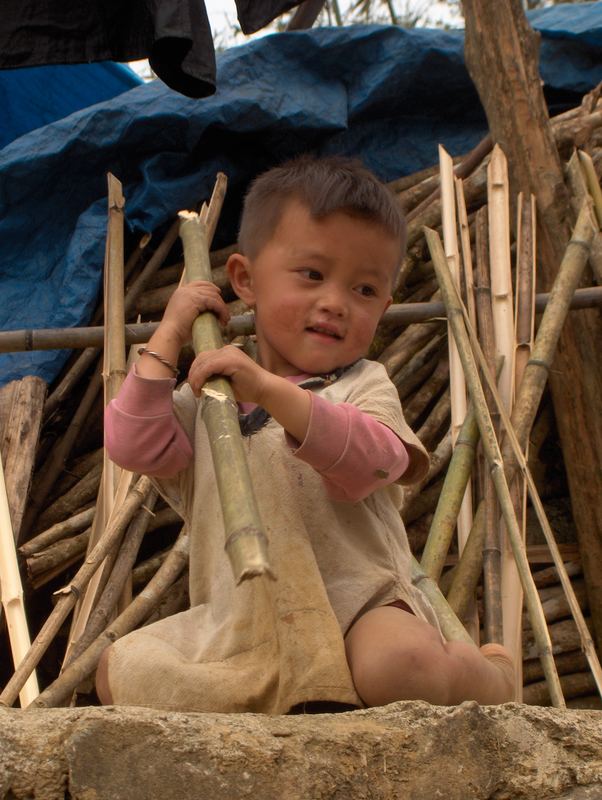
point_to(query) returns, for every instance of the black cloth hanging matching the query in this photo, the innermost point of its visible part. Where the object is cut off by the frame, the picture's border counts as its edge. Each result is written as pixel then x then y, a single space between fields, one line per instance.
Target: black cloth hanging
pixel 174 35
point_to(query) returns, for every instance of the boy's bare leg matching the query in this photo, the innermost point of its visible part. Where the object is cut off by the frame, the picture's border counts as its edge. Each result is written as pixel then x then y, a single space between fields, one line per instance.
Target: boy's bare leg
pixel 102 679
pixel 393 655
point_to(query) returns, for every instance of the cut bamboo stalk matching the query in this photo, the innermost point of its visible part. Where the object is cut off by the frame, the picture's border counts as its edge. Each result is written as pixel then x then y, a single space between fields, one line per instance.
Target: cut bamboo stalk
pixel 405 375
pixel 564 635
pixel 121 572
pixel 439 459
pixel 418 402
pixel 524 329
pixel 492 552
pixel 503 326
pixel 84 491
pixel 466 251
pixel 246 543
pixel 569 272
pixel 468 569
pixel 57 532
pixel 549 575
pixel 579 191
pixel 136 612
pixel 12 596
pixel 456 376
pixel 494 459
pixel 115 482
pixel 437 417
pixel 573 686
pixel 407 344
pixel 413 382
pixel 67 596
pixel 175 599
pixel 566 664
pixel 593 184
pixel 450 500
pixel 58 556
pixel 451 627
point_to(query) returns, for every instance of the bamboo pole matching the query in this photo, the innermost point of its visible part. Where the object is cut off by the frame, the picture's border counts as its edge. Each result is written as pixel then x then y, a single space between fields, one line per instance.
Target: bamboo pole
pixel 134 614
pixel 524 328
pixel 67 596
pixel 12 596
pixel 492 552
pixel 451 627
pixel 121 572
pixel 246 543
pixel 530 391
pixel 115 482
pixel 450 501
pixel 503 326
pixel 494 459
pixel 458 399
pixel 242 325
pixel 468 569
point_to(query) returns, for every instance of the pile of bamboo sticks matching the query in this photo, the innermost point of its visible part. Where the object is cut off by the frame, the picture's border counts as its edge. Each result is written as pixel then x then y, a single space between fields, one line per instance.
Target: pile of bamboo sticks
pixel 95 543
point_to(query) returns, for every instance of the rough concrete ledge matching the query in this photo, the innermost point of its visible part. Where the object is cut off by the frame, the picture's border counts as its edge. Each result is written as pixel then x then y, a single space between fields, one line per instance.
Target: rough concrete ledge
pixel 405 750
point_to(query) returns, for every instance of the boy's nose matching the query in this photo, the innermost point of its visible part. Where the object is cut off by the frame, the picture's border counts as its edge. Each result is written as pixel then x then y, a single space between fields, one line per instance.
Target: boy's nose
pixel 333 301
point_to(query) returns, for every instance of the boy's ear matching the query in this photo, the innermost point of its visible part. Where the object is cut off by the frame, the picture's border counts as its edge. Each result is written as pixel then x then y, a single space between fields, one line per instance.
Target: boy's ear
pixel 241 279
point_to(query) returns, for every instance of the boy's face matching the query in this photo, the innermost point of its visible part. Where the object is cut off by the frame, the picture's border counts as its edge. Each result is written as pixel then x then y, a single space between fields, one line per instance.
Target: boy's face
pixel 319 288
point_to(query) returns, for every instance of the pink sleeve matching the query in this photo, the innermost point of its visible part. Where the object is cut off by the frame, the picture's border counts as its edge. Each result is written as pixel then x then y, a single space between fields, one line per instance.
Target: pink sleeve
pixel 353 452
pixel 142 433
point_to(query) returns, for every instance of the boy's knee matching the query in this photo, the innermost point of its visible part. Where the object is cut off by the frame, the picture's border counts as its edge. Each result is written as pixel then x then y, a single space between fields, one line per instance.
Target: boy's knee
pixel 103 689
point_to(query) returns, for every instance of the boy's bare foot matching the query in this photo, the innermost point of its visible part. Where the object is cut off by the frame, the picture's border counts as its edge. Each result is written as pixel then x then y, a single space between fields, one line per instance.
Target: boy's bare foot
pixel 500 658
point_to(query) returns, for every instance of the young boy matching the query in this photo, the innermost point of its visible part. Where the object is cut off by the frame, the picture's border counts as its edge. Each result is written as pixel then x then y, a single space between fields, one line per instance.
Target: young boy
pixel 321 241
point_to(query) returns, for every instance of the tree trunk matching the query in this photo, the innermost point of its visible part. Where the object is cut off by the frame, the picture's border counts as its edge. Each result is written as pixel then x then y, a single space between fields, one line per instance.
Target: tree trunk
pixel 502 58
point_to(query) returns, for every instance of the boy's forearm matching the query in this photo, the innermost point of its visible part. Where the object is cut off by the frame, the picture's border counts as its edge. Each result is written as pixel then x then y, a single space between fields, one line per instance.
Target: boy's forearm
pixel 288 404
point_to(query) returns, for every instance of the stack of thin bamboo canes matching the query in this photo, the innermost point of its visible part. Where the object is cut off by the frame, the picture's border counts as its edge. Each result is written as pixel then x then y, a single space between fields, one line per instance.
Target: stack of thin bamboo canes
pixel 142 543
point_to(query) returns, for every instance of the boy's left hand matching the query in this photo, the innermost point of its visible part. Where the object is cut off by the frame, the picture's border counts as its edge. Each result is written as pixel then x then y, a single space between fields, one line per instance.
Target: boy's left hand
pixel 249 380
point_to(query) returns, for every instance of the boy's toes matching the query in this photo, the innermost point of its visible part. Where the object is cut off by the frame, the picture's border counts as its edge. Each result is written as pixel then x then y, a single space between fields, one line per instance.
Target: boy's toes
pixel 499 657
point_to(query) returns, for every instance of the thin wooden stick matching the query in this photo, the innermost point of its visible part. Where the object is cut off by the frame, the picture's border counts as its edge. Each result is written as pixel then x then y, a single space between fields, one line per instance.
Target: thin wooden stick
pixel 12 596
pixel 494 457
pixel 57 532
pixel 67 596
pixel 134 614
pixel 246 543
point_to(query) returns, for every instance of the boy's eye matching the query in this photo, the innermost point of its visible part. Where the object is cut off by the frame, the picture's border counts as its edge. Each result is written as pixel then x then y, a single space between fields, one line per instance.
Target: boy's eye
pixel 366 291
pixel 312 274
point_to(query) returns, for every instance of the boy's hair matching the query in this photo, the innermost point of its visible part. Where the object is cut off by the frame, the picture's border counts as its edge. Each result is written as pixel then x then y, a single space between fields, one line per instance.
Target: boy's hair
pixel 324 185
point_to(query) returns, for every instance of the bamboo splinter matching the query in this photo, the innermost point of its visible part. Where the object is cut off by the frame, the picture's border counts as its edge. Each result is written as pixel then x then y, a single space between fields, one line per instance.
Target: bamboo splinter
pixel 246 543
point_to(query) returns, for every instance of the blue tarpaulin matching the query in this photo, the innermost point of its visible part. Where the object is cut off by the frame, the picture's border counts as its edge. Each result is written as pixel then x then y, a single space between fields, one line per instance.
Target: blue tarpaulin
pixel 385 94
pixel 34 96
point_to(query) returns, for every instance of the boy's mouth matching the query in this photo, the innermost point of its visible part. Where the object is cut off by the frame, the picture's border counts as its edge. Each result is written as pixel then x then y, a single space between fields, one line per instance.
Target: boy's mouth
pixel 325 330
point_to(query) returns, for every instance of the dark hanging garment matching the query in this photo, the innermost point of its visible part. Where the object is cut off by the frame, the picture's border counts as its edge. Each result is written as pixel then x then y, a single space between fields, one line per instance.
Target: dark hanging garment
pixel 174 35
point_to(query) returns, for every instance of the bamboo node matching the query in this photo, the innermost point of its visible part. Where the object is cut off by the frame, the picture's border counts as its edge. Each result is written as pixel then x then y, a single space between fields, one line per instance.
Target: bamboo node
pixel 580 243
pixel 148 510
pixel 537 362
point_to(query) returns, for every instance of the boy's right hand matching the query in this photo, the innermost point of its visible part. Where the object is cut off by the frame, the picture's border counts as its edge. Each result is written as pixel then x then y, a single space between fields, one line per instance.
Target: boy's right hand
pixel 185 305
